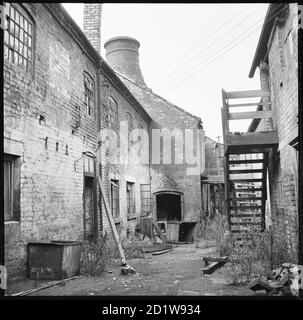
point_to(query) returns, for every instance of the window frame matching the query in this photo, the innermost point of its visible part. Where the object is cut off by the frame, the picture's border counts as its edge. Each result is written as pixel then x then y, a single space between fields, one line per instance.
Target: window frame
pixel 89 100
pixel 14 215
pixel 113 113
pixel 130 199
pixel 114 187
pixel 8 35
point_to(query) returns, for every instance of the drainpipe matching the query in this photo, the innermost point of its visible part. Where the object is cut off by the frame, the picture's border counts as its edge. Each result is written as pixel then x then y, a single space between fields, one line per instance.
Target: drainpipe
pixel 99 153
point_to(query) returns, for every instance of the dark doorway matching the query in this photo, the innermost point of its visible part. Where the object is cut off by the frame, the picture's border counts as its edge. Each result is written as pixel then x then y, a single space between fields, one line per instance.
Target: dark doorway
pixel 89 208
pixel 169 207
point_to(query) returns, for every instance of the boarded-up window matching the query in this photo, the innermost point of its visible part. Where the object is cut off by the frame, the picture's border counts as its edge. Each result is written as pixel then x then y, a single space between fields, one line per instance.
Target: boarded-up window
pixel 115 198
pixel 145 199
pixel 130 197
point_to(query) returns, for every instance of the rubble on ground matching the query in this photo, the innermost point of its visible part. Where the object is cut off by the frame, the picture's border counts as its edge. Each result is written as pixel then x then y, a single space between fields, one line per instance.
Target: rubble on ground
pixel 284 281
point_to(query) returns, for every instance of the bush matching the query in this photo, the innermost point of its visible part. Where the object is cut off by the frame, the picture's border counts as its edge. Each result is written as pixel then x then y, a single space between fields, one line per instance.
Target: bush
pixel 95 256
pixel 216 228
pixel 257 256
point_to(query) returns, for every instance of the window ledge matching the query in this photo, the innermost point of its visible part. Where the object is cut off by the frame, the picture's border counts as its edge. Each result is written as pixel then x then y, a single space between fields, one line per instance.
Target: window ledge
pixel 131 217
pixel 11 222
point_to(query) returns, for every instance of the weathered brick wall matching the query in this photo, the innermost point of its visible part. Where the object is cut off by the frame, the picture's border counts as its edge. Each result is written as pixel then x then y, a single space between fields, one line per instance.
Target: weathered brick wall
pixel 111 156
pixel 283 169
pixel 214 158
pixel 51 180
pixel 166 115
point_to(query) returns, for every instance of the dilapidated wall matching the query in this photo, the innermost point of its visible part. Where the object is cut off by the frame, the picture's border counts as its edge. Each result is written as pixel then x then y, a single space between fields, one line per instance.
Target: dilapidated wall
pixel 41 110
pixel 283 167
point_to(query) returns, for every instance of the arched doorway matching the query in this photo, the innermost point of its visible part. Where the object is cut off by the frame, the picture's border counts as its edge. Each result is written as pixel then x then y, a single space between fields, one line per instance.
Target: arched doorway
pixel 169 206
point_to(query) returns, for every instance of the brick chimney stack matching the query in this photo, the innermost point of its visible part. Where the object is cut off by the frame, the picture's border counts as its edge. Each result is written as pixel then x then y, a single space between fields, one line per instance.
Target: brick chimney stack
pixel 92 24
pixel 122 54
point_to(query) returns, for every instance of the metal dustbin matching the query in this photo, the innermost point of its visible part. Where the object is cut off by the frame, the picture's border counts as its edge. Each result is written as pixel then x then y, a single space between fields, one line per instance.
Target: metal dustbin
pixel 54 260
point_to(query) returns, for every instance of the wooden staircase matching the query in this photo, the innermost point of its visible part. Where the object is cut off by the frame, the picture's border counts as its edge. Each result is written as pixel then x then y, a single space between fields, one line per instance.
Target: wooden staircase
pixel 246 163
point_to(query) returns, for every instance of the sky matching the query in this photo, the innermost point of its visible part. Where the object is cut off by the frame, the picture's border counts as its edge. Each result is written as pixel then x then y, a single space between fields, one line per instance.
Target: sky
pixel 189 52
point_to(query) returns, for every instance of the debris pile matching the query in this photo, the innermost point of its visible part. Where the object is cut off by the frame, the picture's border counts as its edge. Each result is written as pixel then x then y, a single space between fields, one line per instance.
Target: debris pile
pixel 284 281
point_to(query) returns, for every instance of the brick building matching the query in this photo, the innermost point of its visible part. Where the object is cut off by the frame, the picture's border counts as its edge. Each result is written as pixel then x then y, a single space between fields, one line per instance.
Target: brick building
pixel 272 137
pixel 58 94
pixel 277 59
pixel 175 185
pixel 69 117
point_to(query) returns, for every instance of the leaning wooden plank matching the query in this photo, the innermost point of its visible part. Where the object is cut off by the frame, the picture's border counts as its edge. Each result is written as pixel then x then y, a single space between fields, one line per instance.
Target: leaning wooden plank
pixel 112 224
pixel 159 232
pixel 211 268
pixel 216 259
pixel 161 252
pixel 48 285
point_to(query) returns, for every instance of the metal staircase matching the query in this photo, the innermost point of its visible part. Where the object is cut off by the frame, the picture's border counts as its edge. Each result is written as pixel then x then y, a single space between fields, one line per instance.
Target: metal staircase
pixel 246 162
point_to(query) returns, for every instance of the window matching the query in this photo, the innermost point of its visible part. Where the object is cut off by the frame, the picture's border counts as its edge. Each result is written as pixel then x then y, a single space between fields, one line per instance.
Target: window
pixel 18 38
pixel 89 89
pixel 140 127
pixel 145 199
pixel 11 188
pixel 115 198
pixel 88 165
pixel 130 198
pixel 129 119
pixel 113 114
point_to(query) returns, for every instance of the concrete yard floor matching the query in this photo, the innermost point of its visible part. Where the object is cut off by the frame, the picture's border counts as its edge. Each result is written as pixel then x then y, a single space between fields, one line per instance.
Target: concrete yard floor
pixel 175 273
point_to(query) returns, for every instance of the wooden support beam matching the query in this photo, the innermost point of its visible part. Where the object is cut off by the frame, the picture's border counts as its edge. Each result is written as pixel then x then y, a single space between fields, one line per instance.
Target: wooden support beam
pixel 247 198
pixel 245 180
pixel 249 115
pixel 246 161
pixel 248 189
pixel 236 105
pixel 253 215
pixel 247 94
pixel 260 140
pixel 112 223
pixel 245 223
pixel 246 171
pixel 240 208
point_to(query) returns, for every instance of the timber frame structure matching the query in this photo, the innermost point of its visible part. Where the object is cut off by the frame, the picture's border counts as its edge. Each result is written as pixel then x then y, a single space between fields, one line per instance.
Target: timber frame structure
pixel 246 162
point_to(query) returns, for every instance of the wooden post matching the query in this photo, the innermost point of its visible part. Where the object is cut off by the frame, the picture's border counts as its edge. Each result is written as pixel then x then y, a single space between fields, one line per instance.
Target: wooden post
pixel 112 223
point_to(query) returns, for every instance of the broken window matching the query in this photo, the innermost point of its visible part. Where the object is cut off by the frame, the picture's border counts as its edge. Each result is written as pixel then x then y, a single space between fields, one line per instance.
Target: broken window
pixel 115 198
pixel 145 199
pixel 18 37
pixel 11 188
pixel 130 197
pixel 88 93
